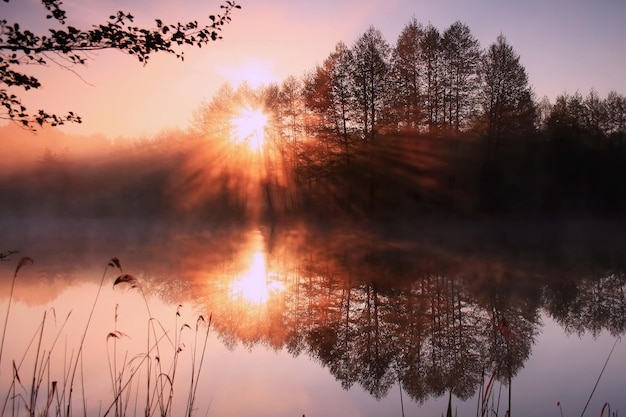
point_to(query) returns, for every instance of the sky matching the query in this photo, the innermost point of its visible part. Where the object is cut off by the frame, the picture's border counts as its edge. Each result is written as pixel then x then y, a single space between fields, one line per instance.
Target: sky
pixel 565 45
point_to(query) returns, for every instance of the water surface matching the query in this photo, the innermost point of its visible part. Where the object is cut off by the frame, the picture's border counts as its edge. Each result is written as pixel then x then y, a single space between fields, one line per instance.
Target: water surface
pixel 359 320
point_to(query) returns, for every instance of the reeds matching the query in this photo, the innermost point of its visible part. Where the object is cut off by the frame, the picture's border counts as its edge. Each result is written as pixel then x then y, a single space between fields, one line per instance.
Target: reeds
pixel 21 263
pixel 151 373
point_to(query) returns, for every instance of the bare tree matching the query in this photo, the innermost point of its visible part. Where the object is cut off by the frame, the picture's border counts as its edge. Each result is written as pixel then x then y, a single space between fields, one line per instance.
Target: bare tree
pixel 461 55
pixel 407 73
pixel 371 54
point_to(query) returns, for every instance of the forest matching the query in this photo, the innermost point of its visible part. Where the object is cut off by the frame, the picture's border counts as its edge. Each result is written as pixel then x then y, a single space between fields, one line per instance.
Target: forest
pixel 433 123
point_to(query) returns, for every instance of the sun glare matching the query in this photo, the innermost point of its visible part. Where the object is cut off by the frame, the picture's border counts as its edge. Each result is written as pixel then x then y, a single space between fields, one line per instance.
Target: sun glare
pixel 254 286
pixel 249 127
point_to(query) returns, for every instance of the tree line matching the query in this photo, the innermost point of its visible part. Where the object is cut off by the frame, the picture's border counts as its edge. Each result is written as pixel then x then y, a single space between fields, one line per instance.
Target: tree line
pixel 434 123
pixel 356 130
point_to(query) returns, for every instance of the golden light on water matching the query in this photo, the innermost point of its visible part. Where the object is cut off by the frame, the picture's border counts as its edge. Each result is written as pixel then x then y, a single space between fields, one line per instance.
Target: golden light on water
pixel 249 127
pixel 256 284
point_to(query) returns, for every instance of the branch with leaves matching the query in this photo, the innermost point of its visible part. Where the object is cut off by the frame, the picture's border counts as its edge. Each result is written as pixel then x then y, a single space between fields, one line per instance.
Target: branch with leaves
pixel 20 47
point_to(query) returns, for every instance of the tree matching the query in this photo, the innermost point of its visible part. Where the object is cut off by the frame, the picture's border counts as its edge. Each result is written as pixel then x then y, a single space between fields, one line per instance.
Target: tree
pixel 544 109
pixel 431 57
pixel 616 114
pixel 371 66
pixel 290 118
pixel 565 121
pixel 461 55
pixel 327 93
pixel 407 77
pixel 212 121
pixel 507 98
pixel 20 47
pixel 595 117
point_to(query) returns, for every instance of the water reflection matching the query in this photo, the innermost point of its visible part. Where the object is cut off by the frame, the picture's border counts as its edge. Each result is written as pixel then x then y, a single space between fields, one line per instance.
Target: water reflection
pixel 417 308
pixel 256 283
pixel 434 333
pixel 375 312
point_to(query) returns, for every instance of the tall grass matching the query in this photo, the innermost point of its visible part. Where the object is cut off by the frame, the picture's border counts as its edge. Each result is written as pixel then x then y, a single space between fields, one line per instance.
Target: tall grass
pixel 47 392
pixel 21 263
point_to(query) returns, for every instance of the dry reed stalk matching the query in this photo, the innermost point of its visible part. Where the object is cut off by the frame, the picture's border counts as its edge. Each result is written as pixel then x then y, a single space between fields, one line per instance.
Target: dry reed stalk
pixel 20 264
pixel 113 262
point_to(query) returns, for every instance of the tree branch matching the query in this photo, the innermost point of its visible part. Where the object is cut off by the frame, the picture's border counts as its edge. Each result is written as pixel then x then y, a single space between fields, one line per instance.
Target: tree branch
pixel 21 47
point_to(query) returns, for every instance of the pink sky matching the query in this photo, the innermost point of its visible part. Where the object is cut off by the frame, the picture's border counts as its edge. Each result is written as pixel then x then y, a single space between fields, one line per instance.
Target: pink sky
pixel 565 46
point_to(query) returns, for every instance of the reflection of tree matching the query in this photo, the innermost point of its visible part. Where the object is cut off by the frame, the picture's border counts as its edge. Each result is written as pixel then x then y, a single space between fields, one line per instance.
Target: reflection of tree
pixel 455 347
pixel 373 353
pixel 409 322
pixel 433 335
pixel 376 313
pixel 330 338
pixel 590 305
pixel 512 331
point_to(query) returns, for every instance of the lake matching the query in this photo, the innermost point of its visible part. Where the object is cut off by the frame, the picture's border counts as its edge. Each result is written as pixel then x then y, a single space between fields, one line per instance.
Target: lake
pixel 314 318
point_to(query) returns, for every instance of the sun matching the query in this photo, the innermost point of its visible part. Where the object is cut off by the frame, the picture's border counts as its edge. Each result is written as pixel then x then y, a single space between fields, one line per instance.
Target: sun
pixel 249 127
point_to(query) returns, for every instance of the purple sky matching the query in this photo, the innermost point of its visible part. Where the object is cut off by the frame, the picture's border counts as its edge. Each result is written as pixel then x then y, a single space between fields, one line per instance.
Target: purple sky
pixel 564 45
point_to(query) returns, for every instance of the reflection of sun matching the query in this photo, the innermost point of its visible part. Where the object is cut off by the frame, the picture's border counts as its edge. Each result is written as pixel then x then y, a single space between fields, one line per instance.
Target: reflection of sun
pixel 254 285
pixel 249 127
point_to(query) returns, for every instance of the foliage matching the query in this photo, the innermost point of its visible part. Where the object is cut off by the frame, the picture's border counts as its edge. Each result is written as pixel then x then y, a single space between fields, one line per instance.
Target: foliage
pixel 20 47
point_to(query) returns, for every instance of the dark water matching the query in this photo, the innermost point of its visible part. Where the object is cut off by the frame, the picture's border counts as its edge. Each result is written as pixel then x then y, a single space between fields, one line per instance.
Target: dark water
pixel 338 319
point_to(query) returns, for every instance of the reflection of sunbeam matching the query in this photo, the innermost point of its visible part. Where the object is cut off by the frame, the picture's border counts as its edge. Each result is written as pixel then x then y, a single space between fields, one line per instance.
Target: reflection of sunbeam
pixel 256 285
